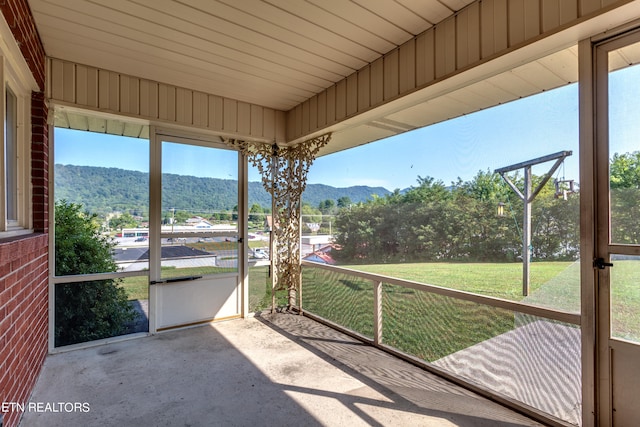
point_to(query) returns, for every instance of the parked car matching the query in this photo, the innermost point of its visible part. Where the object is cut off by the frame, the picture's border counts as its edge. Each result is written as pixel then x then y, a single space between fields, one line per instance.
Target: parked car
pixel 260 253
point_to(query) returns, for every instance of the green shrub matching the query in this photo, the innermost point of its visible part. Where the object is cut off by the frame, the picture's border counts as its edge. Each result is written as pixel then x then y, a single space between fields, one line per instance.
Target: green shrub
pixel 89 310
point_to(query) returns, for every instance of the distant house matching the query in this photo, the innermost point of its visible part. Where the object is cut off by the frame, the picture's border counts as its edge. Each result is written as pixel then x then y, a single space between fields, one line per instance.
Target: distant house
pixel 322 255
pixel 198 222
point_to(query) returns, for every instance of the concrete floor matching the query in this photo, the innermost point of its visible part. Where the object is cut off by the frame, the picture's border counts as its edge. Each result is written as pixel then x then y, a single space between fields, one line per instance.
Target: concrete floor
pixel 274 370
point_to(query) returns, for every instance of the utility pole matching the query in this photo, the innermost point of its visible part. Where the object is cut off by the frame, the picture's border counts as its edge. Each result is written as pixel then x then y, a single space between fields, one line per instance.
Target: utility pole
pixel 527 196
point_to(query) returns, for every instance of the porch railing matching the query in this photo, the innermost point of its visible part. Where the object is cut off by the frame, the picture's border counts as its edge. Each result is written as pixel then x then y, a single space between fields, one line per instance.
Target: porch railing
pixel 524 356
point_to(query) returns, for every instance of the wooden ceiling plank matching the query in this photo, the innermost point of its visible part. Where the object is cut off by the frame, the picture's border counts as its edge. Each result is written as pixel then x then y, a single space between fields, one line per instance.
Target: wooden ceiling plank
pixel 77 121
pixel 365 19
pixel 169 60
pixel 490 90
pixel 250 91
pixel 563 64
pixel 631 54
pixel 115 127
pixel 97 124
pixel 182 44
pixel 60 119
pixel 513 83
pixel 456 5
pixel 539 76
pixel 257 29
pixel 340 26
pixel 132 130
pixel 402 17
pixel 312 25
pixel 433 12
pixel 168 19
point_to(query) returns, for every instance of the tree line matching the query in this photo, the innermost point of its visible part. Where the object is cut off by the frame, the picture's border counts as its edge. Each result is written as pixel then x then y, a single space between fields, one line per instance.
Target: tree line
pixel 460 222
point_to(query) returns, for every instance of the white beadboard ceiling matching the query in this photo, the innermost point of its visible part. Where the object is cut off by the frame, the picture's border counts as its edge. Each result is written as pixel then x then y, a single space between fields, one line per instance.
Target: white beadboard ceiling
pixel 274 53
pixel 278 53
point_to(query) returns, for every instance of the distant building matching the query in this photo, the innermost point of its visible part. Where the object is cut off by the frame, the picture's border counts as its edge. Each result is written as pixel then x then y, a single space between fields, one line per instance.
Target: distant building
pixel 322 255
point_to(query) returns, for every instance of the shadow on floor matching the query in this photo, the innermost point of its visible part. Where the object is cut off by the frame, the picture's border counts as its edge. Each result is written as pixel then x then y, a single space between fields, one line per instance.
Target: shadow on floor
pixel 276 370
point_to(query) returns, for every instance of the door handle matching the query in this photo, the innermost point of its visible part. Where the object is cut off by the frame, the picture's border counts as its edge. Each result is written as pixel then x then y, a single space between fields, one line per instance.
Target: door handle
pixel 600 264
pixel 175 279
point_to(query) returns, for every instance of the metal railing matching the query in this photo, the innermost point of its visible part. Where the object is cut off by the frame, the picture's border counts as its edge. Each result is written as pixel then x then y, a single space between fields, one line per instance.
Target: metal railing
pixel 524 356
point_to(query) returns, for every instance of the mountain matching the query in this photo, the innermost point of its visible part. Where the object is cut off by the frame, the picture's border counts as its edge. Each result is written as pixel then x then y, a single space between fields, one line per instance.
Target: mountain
pixel 103 190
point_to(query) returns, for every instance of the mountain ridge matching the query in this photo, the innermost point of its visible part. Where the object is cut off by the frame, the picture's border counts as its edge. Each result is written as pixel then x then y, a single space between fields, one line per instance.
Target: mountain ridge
pixel 102 190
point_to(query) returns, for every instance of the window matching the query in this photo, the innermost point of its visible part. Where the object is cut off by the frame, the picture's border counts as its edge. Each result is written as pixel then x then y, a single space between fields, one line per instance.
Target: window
pixel 11 158
pixel 15 190
pixel 16 85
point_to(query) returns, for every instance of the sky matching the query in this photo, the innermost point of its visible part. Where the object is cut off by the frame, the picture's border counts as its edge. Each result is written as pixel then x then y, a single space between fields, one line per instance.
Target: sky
pixel 511 133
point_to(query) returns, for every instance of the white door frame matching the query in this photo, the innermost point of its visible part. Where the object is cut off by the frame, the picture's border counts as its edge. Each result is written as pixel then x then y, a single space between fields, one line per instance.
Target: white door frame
pixel 597 384
pixel 157 136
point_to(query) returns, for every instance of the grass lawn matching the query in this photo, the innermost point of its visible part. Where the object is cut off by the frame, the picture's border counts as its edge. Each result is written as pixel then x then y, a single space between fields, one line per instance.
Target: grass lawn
pixel 501 280
pixel 432 326
pixel 427 325
pixel 625 299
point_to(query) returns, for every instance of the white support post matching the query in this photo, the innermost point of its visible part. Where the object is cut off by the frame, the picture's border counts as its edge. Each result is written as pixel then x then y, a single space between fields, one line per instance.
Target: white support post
pixel 377 312
pixel 526 232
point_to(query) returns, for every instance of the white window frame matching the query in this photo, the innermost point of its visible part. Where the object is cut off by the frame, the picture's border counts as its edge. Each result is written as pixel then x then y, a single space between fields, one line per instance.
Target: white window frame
pixel 17 78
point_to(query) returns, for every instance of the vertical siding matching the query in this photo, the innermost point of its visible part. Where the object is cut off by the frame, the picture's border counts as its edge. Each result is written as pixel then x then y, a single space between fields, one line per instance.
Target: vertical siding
pixel 589 6
pixel 200 109
pixel 558 12
pixel 184 106
pixel 364 91
pixel 129 95
pixel 352 94
pixel 268 123
pixel 313 112
pixel 493 27
pixel 322 109
pixel 331 105
pixel 407 66
pixel 306 112
pixel 148 99
pixel 341 100
pixel 257 120
pixel 87 86
pixel 216 112
pixel 391 87
pixel 167 103
pixel 93 88
pixel 376 83
pixel 524 20
pixel 243 118
pixel 467 40
pixel 230 115
pixel 425 58
pixel 481 31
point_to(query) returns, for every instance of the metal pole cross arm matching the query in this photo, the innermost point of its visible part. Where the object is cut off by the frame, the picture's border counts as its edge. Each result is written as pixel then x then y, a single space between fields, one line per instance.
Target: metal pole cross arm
pixel 527 196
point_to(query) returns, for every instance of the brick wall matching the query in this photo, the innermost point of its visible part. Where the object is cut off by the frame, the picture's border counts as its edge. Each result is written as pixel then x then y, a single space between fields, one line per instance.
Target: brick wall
pixel 40 162
pixel 18 15
pixel 24 264
pixel 23 318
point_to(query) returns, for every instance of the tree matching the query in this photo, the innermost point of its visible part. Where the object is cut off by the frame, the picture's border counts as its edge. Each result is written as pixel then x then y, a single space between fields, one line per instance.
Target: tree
pixel 310 215
pixel 344 202
pixel 256 213
pixel 89 310
pixel 625 170
pixel 326 206
pixel 625 197
pixel 126 220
